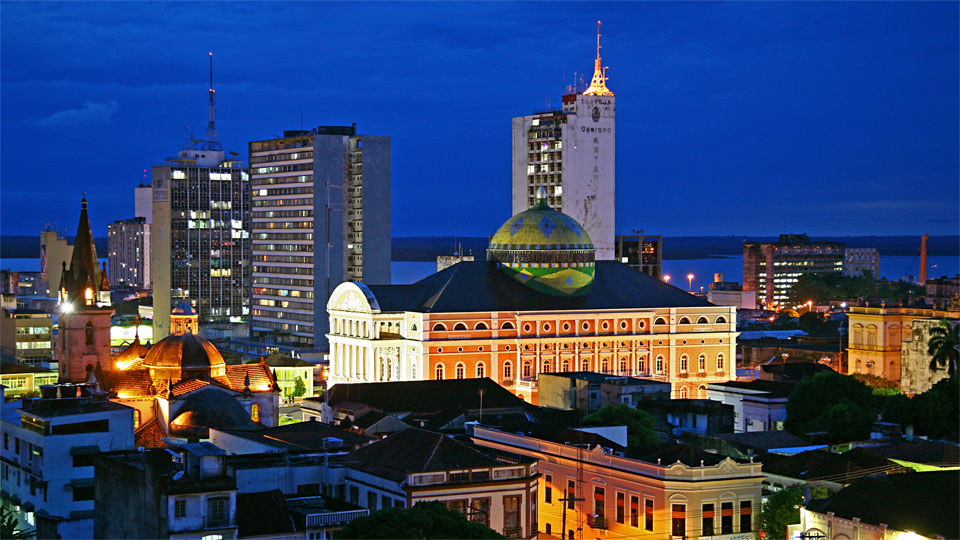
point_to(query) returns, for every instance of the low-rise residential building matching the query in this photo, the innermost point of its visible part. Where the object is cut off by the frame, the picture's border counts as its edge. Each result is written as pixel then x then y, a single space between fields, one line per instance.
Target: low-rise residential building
pixel 25 380
pixel 300 437
pixel 588 391
pixel 943 291
pixel 287 370
pixel 757 405
pixel 674 417
pixel 914 506
pixel 49 444
pixel 662 492
pixel 416 465
pixel 273 515
pixel 181 492
pixel 860 261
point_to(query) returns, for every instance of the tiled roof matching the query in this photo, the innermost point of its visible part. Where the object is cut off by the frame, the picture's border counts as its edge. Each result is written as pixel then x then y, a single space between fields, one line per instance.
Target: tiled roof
pixel 7 368
pixel 921 502
pixel 415 450
pixel 131 383
pixel 150 435
pixel 557 434
pixel 187 386
pixel 302 436
pixel 261 379
pixel 482 286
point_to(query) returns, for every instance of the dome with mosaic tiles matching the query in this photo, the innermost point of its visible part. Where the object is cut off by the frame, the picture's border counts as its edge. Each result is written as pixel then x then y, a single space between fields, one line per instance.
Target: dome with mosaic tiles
pixel 546 250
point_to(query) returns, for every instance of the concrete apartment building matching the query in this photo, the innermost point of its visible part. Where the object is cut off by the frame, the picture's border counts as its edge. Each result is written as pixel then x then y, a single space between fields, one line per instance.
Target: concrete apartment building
pixel 571 154
pixel 643 252
pixel 321 216
pixel 771 268
pixel 859 261
pixel 54 251
pixel 128 247
pixel 47 456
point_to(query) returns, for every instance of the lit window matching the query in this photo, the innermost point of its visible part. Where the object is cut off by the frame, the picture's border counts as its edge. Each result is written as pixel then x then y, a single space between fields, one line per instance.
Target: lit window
pixel 255 412
pixel 136 419
pixel 88 296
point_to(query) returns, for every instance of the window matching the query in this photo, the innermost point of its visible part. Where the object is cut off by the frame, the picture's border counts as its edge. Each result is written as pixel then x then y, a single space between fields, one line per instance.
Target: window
pixel 604 365
pixel 720 320
pixel 439 327
pixel 459 326
pixel 648 514
pixel 511 514
pixel 565 366
pixel 217 515
pixel 634 511
pixel 136 419
pixel 621 501
pixel 586 365
pixel 659 320
pixel 707 521
pixel 623 366
pixel 720 362
pixel 481 326
pixel 88 333
pixel 481 370
pixel 507 326
pixel 480 510
pixel 683 363
pixel 354 494
pixel 180 508
pixel 571 494
pixel 746 515
pixel 548 489
pixel 683 392
pixel 598 502
pixel 702 320
pixel 438 372
pixel 6 441
pixel 372 500
pixel 526 369
pixel 83 493
pixel 726 518
pixel 546 366
pixel 683 320
pixel 459 370
pixel 679 520
pixel 659 363
pixel 702 393
pixel 641 365
pixel 255 412
pixel 507 370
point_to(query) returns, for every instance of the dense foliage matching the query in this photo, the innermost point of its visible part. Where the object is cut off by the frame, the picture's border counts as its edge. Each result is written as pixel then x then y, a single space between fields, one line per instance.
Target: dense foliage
pixel 639 424
pixel 834 407
pixel 299 387
pixel 878 385
pixel 934 413
pixel 822 288
pixel 425 520
pixel 943 345
pixel 10 528
pixel 783 508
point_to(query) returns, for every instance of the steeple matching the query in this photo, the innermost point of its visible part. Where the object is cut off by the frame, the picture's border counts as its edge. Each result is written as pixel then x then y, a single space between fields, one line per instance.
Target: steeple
pixel 213 138
pixel 598 85
pixel 84 280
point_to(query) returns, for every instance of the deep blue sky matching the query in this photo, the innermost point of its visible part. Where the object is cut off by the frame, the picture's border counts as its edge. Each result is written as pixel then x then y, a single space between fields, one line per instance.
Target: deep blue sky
pixel 743 118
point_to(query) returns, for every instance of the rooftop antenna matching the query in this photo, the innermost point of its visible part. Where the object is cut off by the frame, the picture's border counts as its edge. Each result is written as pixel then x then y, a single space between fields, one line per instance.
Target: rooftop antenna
pixel 213 140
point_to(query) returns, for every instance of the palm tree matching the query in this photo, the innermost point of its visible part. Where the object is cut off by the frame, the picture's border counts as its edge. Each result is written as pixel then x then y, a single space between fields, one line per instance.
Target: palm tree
pixel 944 346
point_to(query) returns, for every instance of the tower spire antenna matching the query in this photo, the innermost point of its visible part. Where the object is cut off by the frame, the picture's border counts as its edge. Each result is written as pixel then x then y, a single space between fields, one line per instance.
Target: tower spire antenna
pixel 598 85
pixel 213 139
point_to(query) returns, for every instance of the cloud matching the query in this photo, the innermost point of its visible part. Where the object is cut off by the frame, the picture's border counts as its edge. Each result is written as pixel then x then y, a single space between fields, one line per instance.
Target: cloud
pixel 91 114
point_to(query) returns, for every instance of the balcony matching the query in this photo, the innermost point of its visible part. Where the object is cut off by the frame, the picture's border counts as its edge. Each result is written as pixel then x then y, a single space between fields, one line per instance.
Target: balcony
pixel 598 522
pixel 875 348
pixel 319 521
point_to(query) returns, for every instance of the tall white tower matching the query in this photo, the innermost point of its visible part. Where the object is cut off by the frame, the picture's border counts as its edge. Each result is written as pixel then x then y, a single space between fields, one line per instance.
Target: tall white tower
pixel 571 153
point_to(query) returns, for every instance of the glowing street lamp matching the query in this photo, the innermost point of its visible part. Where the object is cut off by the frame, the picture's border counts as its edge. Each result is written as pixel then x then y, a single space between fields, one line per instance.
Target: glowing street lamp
pixel 666 277
pixel 689 282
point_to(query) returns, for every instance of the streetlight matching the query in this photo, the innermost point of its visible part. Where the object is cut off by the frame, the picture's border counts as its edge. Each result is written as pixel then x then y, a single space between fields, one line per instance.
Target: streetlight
pixel 666 277
pixel 689 282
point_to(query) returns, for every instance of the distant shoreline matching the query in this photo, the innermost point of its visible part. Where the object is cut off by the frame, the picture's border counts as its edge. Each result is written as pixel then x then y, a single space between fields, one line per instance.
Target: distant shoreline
pixel 428 248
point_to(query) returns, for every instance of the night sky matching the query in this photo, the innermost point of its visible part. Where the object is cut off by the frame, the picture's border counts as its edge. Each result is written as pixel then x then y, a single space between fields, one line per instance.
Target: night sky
pixel 745 119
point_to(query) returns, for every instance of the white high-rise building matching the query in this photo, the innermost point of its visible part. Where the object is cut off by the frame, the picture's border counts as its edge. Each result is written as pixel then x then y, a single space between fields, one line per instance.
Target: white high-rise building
pixel 571 154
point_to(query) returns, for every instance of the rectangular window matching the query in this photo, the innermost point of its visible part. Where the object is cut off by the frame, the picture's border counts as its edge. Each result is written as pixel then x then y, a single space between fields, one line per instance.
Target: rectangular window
pixel 458 505
pixel 83 460
pixel 83 493
pixel 746 516
pixel 180 508
pixel 679 520
pixel 354 494
pixel 621 503
pixel 371 501
pixel 511 516
pixel 6 441
pixel 726 518
pixel 648 514
pixel 217 512
pixel 598 502
pixel 480 510
pixel 634 511
pixel 707 526
pixel 548 489
pixel 571 494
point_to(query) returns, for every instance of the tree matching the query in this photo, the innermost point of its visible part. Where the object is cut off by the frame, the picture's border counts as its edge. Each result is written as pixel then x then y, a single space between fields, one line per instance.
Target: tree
pixel 10 526
pixel 639 424
pixel 299 387
pixel 783 508
pixel 829 402
pixel 425 520
pixel 944 346
pixel 934 413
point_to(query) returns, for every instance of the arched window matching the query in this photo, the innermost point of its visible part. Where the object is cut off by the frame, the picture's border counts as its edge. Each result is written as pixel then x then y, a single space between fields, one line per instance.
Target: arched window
pixel 507 370
pixel 683 392
pixel 526 369
pixel 702 320
pixel 720 362
pixel 136 419
pixel 659 364
pixel 893 336
pixel 585 365
pixel 721 320
pixel 641 364
pixel 660 320
pixel 413 328
pixel 439 327
pixel 871 335
pixel 481 326
pixel 702 393
pixel 255 412
pixel 481 370
pixel 88 333
pixel 459 326
pixel 604 366
pixel 623 366
pixel 546 366
pixel 683 320
pixel 683 363
pixel 459 370
pixel 88 296
pixel 702 363
pixel 507 326
pixel 565 366
pixel 438 372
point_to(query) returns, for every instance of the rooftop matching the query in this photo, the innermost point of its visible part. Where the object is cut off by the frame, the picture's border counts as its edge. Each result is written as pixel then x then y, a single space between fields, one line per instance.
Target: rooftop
pixel 301 436
pixel 425 396
pixel 773 388
pixel 820 465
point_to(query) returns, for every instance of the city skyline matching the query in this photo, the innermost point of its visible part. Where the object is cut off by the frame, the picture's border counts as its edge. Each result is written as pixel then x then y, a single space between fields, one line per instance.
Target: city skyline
pixel 750 118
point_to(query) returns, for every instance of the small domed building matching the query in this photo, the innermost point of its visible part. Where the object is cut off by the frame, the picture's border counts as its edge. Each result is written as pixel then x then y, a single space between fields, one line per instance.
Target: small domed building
pixel 540 303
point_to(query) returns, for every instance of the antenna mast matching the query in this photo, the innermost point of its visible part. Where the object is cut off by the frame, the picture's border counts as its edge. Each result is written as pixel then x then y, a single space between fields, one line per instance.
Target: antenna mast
pixel 213 139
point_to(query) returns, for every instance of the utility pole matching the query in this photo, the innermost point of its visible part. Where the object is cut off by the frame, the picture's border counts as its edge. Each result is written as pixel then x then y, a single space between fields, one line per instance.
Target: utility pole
pixel 563 521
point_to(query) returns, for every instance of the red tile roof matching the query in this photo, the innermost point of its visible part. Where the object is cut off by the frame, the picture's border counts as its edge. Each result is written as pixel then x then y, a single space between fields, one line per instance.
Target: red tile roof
pixel 187 386
pixel 131 383
pixel 261 379
pixel 150 435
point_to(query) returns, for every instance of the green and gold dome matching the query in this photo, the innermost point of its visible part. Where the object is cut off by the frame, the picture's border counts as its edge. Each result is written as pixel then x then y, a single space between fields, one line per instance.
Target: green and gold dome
pixel 546 250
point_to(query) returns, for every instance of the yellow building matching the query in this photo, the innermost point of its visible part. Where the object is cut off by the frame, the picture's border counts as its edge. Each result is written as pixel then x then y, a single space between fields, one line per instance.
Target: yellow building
pixel 878 337
pixel 20 379
pixel 287 370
